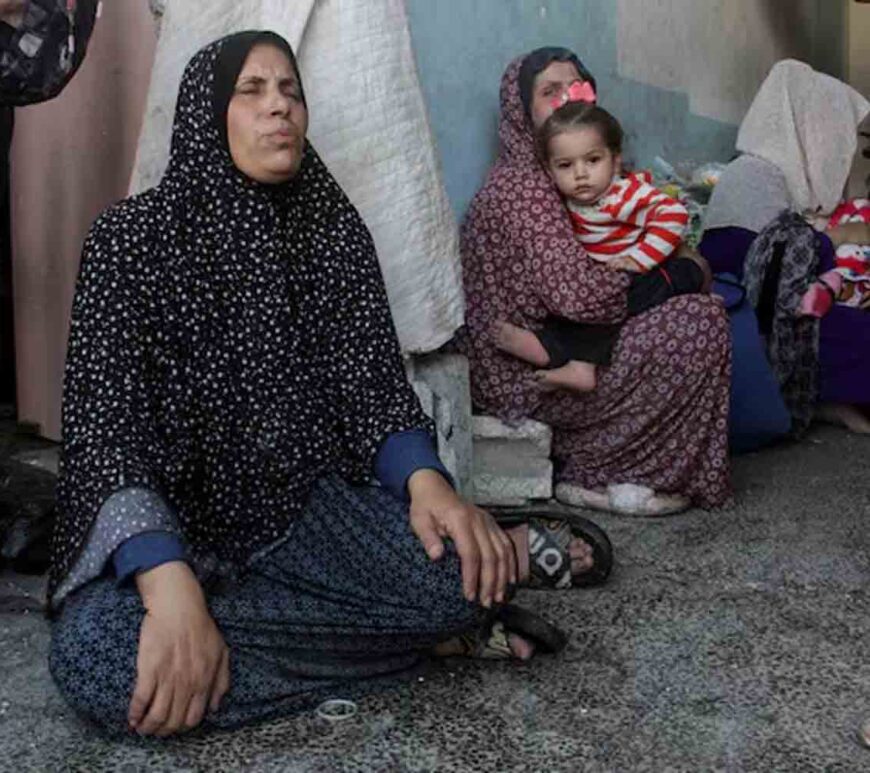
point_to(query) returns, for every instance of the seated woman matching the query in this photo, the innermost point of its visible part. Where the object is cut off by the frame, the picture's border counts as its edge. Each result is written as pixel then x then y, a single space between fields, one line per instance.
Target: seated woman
pixel 652 437
pixel 233 381
pixel 623 222
pixel 797 145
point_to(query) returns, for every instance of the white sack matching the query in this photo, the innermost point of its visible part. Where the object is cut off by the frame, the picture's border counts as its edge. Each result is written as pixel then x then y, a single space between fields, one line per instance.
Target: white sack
pixel 367 121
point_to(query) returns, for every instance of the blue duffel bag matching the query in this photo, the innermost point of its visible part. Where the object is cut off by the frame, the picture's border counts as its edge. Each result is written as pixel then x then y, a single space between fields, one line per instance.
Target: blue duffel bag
pixel 758 412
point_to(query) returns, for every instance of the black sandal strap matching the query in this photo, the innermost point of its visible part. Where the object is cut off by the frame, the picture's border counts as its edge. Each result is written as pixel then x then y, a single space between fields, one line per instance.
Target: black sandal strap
pixel 549 559
pixel 490 641
pixel 546 637
pixel 582 528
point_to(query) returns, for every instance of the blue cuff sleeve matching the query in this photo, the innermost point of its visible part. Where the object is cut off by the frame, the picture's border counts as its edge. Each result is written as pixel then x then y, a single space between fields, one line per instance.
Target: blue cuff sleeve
pixel 401 455
pixel 146 551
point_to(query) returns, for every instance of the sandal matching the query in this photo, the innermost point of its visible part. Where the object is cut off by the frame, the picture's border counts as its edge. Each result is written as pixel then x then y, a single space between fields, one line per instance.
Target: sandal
pixel 550 534
pixel 491 643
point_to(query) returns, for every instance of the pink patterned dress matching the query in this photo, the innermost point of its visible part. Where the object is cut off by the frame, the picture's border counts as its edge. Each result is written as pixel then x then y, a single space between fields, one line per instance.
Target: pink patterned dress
pixel 659 414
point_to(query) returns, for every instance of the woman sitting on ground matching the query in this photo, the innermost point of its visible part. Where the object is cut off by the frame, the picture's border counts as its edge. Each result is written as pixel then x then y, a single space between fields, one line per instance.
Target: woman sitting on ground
pixel 233 382
pixel 797 145
pixel 652 437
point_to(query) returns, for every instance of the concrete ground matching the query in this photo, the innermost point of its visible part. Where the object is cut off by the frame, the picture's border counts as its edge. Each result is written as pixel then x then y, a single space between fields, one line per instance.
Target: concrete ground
pixel 734 641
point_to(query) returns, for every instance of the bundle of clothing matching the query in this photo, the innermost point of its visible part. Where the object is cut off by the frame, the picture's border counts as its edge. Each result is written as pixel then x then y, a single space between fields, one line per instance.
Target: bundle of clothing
pixel 853 260
pixel 691 185
pixel 41 51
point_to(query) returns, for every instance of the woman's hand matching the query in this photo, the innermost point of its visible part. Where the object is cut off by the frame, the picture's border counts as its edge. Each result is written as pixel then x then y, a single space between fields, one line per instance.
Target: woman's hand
pixel 849 233
pixel 182 667
pixel 702 263
pixel 485 551
pixel 685 251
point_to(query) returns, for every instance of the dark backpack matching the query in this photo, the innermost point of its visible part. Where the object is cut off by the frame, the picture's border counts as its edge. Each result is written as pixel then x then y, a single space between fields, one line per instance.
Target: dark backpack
pixel 39 57
pixel 779 268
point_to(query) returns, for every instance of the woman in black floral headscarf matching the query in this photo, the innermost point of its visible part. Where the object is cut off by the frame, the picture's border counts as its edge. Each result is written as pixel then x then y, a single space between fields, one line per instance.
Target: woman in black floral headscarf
pixel 233 380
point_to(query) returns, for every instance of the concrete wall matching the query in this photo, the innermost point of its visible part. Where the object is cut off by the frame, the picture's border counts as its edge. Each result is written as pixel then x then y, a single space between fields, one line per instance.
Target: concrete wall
pixel 678 73
pixel 858 73
pixel 858 54
pixel 71 158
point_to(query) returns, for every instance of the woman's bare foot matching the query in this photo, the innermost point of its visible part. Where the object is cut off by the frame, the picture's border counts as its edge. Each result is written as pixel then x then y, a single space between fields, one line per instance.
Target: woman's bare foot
pixel 521 343
pixel 844 415
pixel 685 251
pixel 574 376
pixel 580 552
pixel 864 734
pixel 521 649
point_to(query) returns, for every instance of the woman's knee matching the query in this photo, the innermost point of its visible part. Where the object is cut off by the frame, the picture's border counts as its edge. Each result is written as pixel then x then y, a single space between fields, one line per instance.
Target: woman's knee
pixel 443 592
pixel 92 657
pixel 700 321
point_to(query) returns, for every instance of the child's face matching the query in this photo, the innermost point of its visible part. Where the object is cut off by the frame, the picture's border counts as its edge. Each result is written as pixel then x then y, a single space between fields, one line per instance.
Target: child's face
pixel 581 165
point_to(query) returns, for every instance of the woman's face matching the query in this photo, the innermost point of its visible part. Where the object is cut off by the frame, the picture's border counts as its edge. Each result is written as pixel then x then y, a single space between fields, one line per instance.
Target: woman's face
pixel 266 119
pixel 549 84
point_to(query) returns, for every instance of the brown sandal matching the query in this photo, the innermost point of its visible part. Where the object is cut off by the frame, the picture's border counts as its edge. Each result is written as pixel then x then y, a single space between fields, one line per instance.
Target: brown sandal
pixel 491 641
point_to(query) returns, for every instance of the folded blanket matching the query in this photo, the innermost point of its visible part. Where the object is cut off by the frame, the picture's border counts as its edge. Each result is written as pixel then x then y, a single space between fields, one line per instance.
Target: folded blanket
pixel 853 260
pixel 368 123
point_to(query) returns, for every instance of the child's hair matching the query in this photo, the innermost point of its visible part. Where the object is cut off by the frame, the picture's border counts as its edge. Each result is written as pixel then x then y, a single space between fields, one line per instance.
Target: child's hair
pixel 577 115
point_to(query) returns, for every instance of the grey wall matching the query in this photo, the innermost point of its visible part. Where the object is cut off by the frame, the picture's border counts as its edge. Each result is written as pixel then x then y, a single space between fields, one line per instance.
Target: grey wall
pixel 678 73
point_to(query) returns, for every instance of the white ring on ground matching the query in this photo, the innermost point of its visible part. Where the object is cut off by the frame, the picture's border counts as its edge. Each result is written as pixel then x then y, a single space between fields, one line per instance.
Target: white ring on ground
pixel 336 710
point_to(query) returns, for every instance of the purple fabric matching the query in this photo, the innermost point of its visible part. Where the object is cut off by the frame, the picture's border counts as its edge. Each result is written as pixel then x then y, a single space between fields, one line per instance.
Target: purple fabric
pixel 726 248
pixel 844 356
pixel 844 333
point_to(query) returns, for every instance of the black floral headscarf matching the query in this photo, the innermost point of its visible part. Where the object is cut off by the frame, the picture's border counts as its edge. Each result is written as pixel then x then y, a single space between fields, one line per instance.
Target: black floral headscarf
pixel 231 342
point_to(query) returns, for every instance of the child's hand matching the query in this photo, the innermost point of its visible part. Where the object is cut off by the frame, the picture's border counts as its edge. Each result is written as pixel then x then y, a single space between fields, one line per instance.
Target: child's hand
pixel 624 264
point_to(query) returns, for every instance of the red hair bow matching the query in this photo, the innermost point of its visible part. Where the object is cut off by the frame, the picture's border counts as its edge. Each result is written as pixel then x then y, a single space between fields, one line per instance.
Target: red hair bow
pixel 578 91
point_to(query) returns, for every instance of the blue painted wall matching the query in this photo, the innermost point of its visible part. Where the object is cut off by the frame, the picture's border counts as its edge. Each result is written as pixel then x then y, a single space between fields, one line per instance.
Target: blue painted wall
pixel 463 46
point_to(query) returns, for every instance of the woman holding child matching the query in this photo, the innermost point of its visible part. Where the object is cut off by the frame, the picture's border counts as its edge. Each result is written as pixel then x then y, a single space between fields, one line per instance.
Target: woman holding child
pixel 648 433
pixel 797 145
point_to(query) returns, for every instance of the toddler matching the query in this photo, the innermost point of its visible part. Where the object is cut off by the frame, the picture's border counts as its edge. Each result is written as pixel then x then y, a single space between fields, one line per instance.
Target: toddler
pixel 623 222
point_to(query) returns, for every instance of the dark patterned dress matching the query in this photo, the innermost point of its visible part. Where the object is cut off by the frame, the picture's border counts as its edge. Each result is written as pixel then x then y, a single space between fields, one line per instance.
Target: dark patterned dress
pixel 232 355
pixel 346 603
pixel 659 414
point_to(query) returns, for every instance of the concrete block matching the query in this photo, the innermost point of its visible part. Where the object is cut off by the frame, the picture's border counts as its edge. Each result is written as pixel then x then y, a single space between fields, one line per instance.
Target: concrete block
pixel 532 479
pixel 442 383
pixel 533 436
pixel 511 461
pixel 426 397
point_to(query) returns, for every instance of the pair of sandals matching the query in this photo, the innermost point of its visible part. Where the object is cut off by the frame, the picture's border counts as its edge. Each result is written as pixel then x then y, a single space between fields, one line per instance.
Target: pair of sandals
pixel 550 536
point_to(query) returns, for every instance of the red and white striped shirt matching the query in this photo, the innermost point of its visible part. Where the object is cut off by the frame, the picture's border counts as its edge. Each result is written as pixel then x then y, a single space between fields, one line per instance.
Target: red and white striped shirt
pixel 633 219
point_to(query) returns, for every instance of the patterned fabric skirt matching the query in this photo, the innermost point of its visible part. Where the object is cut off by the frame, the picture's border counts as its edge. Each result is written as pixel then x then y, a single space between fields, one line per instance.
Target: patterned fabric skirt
pixel 658 416
pixel 348 602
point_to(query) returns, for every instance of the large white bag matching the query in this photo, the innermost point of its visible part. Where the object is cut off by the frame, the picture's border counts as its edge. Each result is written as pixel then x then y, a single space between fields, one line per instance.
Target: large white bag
pixel 367 121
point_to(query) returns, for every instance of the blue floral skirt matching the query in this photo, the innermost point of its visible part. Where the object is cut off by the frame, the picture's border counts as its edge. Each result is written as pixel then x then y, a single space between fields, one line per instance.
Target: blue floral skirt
pixel 348 602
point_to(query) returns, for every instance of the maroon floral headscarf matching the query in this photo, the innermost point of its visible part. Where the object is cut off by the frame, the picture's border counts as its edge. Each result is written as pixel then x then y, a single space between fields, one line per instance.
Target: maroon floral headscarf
pixel 522 262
